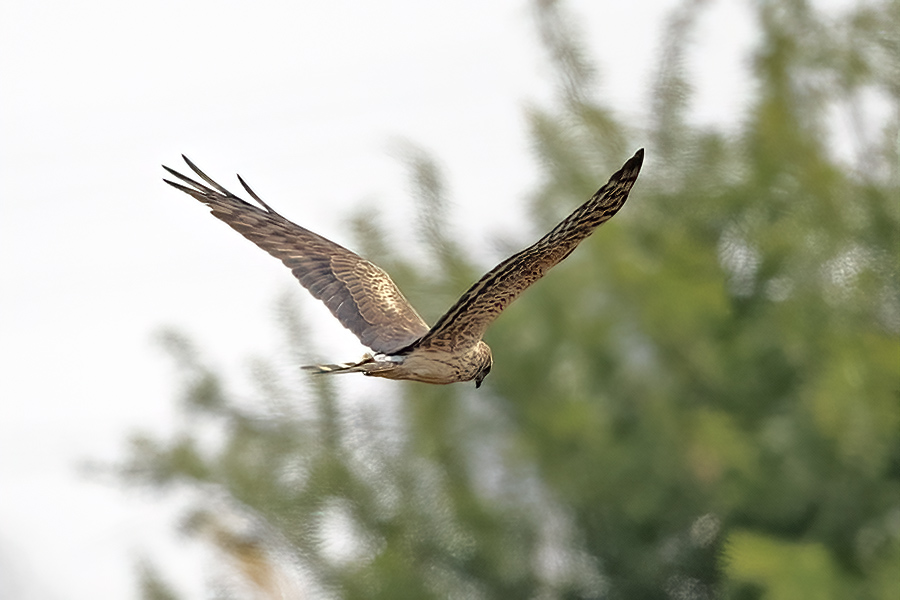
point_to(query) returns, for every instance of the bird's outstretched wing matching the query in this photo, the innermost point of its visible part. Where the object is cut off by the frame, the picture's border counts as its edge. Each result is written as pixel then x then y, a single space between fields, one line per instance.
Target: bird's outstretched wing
pixel 362 296
pixel 467 320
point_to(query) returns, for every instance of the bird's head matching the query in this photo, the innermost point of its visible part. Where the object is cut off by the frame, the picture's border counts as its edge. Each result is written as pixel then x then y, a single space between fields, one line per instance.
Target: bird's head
pixel 487 361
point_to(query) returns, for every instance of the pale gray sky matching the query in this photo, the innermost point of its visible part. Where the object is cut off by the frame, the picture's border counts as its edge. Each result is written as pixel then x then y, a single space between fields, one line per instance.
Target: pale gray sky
pixel 302 98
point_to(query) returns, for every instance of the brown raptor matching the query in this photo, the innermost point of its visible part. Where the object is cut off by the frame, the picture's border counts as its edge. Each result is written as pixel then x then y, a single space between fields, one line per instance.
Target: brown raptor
pixel 367 302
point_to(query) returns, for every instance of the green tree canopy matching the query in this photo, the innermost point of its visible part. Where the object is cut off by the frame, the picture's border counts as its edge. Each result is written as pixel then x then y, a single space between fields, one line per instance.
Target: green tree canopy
pixel 703 401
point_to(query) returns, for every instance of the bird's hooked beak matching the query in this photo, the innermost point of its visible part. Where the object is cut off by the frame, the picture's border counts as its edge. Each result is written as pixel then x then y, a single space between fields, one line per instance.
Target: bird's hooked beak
pixel 481 375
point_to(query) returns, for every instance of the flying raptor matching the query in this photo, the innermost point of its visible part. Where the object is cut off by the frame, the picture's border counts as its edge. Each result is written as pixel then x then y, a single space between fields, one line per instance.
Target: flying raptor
pixel 367 302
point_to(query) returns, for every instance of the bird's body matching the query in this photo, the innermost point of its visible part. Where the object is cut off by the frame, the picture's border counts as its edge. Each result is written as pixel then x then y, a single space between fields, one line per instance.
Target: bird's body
pixel 425 364
pixel 367 302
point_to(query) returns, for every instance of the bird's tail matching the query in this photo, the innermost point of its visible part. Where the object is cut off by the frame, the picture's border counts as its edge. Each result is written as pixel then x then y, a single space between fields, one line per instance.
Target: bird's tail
pixel 362 366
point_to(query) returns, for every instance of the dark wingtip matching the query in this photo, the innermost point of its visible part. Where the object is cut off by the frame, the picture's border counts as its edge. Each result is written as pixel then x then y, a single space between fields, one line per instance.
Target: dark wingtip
pixel 631 167
pixel 637 160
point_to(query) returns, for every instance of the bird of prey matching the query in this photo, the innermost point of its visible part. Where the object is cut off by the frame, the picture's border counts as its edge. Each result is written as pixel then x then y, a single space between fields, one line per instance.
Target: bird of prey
pixel 367 302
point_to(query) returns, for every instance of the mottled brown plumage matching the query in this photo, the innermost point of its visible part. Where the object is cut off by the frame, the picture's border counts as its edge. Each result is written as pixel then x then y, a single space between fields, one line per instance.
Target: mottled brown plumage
pixel 368 303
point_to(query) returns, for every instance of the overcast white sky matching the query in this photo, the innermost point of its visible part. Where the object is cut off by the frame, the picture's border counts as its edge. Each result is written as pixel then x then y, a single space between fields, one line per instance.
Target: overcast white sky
pixel 304 100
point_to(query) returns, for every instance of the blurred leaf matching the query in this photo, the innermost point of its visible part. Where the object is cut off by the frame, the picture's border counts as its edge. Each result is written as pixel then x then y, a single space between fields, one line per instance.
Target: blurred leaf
pixel 152 586
pixel 786 571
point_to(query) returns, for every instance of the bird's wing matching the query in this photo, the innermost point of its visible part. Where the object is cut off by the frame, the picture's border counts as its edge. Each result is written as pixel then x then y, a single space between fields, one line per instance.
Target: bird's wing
pixel 467 320
pixel 362 296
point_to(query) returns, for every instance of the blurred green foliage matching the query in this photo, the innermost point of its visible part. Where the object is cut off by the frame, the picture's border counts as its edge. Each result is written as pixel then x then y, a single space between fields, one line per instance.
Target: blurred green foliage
pixel 702 402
